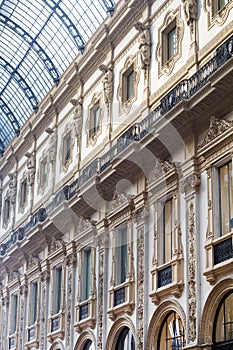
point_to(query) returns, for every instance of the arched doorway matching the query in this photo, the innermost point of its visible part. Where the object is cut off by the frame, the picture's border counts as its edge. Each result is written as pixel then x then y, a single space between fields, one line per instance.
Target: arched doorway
pixel 223 324
pixel 125 340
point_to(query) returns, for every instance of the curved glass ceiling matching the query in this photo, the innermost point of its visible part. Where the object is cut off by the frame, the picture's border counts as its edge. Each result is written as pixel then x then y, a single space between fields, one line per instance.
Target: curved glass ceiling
pixel 38 40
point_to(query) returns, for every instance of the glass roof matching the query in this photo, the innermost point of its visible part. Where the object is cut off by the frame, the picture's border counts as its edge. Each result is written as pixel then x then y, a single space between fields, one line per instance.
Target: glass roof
pixel 38 40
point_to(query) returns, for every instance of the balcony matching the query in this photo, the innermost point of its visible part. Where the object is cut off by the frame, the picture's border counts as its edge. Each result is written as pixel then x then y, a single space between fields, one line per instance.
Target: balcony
pixel 219 257
pixel 167 279
pixel 121 299
pixel 85 315
pixel 56 326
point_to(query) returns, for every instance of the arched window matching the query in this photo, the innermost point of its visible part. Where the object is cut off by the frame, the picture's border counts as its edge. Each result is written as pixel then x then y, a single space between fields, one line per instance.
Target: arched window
pixel 171 334
pixel 223 324
pixel 125 340
pixel 88 345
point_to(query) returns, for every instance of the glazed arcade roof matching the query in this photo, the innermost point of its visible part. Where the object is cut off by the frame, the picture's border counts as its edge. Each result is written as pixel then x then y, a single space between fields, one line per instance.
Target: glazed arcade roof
pixel 38 40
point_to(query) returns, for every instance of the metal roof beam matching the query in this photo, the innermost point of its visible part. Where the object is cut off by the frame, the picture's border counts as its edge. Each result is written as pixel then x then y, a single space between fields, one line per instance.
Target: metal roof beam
pixel 78 39
pixel 34 45
pixel 10 116
pixel 21 81
pixel 110 6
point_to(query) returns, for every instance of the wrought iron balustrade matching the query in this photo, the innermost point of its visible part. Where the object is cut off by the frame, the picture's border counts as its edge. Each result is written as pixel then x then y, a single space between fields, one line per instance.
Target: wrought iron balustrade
pixel 83 312
pixel 31 333
pixel 55 324
pixel 119 296
pixel 164 276
pixel 223 251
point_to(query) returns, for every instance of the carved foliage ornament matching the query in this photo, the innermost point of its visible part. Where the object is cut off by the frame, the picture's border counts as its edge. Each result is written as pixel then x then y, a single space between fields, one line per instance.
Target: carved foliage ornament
pixel 160 169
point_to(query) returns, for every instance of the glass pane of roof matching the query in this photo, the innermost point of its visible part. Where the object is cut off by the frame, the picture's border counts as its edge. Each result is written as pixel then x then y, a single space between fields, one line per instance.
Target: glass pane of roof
pixel 38 40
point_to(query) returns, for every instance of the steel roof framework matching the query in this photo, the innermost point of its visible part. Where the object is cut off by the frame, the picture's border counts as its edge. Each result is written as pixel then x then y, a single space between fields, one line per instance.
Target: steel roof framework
pixel 38 40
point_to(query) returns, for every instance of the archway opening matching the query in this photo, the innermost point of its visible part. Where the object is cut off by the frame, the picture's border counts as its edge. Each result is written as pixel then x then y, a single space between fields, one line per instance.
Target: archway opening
pixel 223 324
pixel 171 334
pixel 125 340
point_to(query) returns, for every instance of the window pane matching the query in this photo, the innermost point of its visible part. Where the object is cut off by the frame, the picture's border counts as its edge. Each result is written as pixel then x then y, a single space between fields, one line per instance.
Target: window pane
pixel 171 335
pixel 171 43
pixel 66 148
pixel 130 85
pixel 224 322
pixel 86 275
pixel 226 206
pixel 121 255
pixel 33 305
pixel 14 305
pixel 125 340
pixel 57 289
pixel 168 231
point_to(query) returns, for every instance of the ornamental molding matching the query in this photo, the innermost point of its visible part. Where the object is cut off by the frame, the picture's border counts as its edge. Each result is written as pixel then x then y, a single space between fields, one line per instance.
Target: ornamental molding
pixel 31 168
pixel 92 138
pixel 119 199
pixel 190 183
pixel 165 68
pixel 216 128
pixel 217 18
pixel 161 168
pixel 124 104
pixel 192 312
pixel 12 187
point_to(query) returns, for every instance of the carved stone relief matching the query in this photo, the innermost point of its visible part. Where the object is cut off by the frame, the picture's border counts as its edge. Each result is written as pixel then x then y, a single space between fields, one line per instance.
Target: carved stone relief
pixel 190 12
pixel 140 288
pixel 31 168
pixel 107 83
pixel 12 187
pixel 100 300
pixel 144 44
pixel 192 271
pixel 217 127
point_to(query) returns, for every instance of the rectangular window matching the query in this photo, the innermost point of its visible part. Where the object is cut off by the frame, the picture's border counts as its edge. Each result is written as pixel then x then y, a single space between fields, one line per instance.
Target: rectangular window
pixel 43 172
pixel 171 43
pixel 66 148
pixel 167 231
pixel 218 5
pixel 33 302
pixel 14 312
pixel 57 289
pixel 86 281
pixel 121 254
pixel 130 84
pixel 23 193
pixel 7 210
pixel 226 198
pixel 94 119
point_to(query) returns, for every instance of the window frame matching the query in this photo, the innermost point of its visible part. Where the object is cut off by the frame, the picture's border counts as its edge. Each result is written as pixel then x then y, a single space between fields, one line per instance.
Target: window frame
pixel 94 131
pixel 125 100
pixel 167 63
